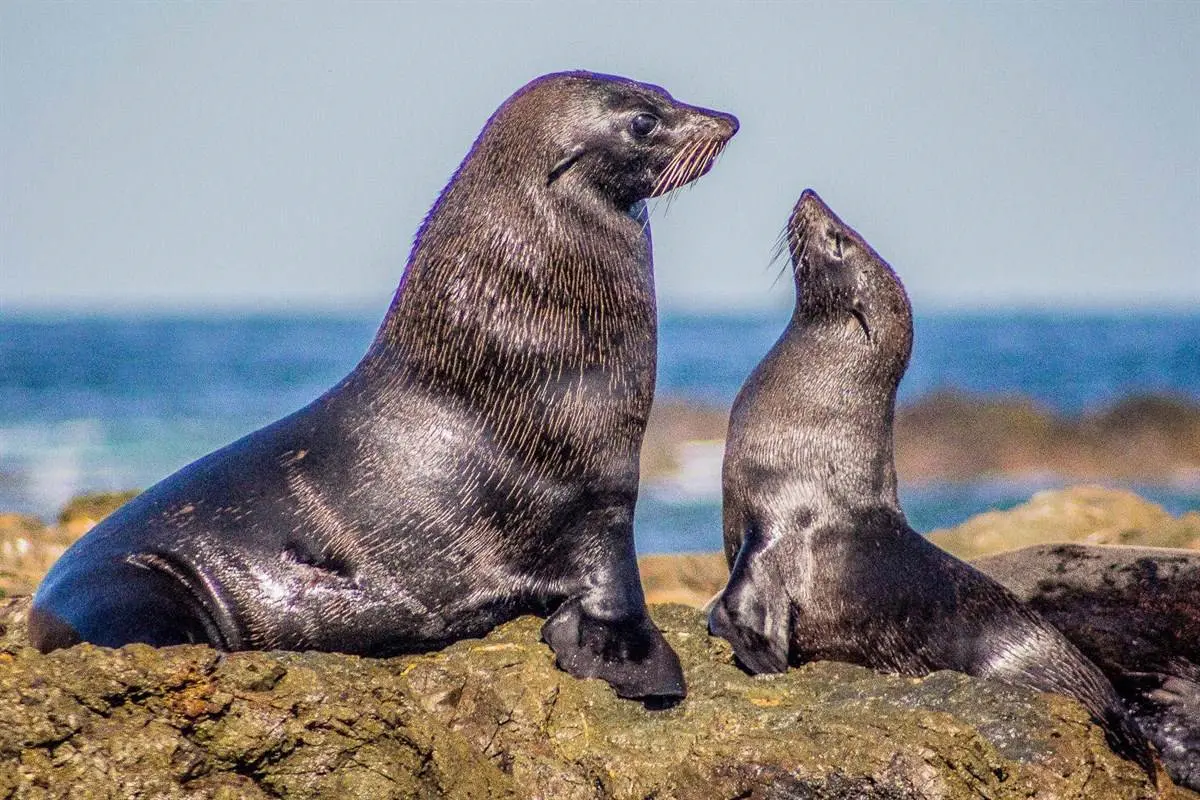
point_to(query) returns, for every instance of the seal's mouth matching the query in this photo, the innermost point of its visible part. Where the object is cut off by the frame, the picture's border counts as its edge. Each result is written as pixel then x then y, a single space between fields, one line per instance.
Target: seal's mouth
pixel 691 162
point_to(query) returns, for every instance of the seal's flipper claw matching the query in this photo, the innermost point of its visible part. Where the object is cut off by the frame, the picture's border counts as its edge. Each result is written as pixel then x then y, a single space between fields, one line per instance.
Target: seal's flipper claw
pixel 630 654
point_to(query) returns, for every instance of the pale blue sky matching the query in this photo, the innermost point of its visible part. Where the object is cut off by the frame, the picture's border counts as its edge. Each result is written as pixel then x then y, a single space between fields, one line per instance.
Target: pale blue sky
pixel 169 156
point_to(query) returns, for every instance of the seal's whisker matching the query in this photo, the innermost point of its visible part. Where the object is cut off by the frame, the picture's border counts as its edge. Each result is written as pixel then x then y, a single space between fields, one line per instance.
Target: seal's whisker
pixel 781 254
pixel 654 191
pixel 671 176
pixel 710 162
pixel 696 163
pixel 692 167
pixel 663 183
pixel 783 268
pixel 685 168
pixel 689 163
pixel 781 247
pixel 645 218
pixel 664 177
pixel 668 199
pixel 675 169
pixel 710 155
pixel 716 147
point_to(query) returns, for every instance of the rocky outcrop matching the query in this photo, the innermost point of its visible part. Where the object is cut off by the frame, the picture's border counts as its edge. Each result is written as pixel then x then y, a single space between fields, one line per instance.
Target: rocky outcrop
pixel 494 718
pixel 1082 514
pixel 955 436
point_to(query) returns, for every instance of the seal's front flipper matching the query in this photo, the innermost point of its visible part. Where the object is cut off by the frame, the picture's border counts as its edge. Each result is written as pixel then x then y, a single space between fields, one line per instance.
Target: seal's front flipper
pixel 628 652
pixel 753 614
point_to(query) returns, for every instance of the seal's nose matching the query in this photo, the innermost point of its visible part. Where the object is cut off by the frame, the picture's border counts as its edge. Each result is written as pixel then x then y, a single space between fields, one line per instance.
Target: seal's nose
pixel 811 205
pixel 722 124
pixel 731 121
pixel 727 123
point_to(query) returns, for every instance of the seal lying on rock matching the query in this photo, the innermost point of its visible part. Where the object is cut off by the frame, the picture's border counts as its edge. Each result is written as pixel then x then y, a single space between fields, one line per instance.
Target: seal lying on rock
pixel 1135 612
pixel 479 463
pixel 824 564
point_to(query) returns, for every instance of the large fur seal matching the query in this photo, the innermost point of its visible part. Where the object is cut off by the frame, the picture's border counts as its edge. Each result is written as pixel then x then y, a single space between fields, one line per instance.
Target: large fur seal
pixel 479 463
pixel 824 565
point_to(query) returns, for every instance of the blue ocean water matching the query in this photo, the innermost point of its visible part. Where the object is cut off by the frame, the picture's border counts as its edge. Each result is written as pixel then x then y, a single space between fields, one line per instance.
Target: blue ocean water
pixel 115 402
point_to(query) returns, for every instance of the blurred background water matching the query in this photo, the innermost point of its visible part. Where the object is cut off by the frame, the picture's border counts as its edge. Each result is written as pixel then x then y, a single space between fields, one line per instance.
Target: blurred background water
pixel 111 402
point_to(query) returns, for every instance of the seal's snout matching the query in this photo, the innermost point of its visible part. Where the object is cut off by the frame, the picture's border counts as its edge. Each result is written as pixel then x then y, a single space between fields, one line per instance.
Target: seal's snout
pixel 718 124
pixel 810 206
pixel 707 122
pixel 702 135
pixel 809 210
pixel 728 121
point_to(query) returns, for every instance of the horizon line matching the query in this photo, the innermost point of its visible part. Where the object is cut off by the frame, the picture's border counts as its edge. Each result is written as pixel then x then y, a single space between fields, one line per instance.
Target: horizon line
pixel 350 310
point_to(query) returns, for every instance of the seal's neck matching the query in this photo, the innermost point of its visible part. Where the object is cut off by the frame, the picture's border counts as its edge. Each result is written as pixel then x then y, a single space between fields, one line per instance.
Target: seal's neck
pixel 502 276
pixel 842 413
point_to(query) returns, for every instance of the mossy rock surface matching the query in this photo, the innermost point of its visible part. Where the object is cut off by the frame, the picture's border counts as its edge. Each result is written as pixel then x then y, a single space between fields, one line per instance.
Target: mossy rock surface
pixel 495 718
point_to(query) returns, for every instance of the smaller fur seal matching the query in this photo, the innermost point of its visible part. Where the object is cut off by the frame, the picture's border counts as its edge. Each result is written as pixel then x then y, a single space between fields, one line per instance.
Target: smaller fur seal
pixel 480 462
pixel 824 564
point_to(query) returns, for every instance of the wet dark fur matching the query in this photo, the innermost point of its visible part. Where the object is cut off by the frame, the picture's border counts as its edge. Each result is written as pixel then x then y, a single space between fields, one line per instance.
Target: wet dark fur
pixel 1135 612
pixel 824 565
pixel 480 462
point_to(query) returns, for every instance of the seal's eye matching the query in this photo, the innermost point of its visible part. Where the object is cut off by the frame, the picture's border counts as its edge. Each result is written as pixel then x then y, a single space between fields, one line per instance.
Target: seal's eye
pixel 643 125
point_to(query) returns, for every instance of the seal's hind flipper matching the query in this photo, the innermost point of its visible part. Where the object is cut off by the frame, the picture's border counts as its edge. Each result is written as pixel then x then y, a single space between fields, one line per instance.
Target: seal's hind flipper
pixel 629 653
pixel 135 598
pixel 1028 651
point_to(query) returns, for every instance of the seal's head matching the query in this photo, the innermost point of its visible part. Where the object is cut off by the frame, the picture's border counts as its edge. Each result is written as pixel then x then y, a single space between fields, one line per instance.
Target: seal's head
pixel 842 282
pixel 547 209
pixel 624 140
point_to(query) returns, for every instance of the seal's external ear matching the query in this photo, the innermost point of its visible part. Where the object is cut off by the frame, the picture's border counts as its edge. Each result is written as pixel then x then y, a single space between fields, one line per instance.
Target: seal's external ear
pixel 565 163
pixel 629 653
pixel 856 308
pixel 753 614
